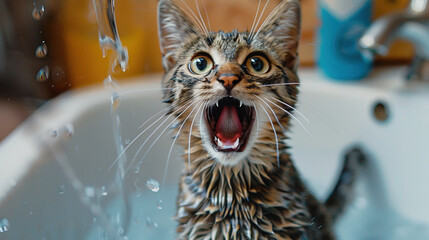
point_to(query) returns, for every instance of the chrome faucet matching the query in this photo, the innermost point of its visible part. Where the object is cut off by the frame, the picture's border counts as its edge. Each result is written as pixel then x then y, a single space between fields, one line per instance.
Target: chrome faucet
pixel 411 24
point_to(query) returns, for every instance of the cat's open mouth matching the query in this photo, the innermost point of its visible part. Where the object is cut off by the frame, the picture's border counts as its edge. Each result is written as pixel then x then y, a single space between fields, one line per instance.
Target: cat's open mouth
pixel 229 122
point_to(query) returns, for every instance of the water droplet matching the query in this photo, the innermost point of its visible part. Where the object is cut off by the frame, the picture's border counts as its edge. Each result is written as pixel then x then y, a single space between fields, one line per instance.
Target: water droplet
pixel 38 12
pixel 123 58
pixel 43 74
pixel 4 225
pixel 42 50
pixel 151 224
pixel 127 141
pixel 153 185
pixel 89 191
pixel 160 204
pixel 62 189
pixel 30 212
pixel 68 130
pixel 53 133
pixel 58 74
pixel 103 191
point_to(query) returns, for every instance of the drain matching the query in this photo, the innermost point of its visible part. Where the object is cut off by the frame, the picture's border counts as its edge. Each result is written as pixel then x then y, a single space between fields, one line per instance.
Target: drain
pixel 381 111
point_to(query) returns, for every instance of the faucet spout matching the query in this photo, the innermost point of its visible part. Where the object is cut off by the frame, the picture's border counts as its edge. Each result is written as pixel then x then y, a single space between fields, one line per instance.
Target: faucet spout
pixel 410 24
pixel 379 36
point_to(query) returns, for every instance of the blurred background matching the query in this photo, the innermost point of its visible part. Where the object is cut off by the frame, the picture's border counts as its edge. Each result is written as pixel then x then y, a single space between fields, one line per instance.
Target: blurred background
pixel 48 47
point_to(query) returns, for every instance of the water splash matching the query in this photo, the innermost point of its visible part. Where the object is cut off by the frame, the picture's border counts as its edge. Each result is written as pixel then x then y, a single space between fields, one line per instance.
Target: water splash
pixel 43 74
pixel 4 225
pixel 123 216
pixel 86 196
pixel 115 100
pixel 152 184
pixel 42 50
pixel 109 40
pixel 150 223
pixel 160 204
pixel 108 34
pixel 104 191
pixel 62 190
pixel 38 12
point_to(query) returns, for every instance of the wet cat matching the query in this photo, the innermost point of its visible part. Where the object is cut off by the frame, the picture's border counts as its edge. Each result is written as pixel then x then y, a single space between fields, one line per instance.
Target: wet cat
pixel 233 94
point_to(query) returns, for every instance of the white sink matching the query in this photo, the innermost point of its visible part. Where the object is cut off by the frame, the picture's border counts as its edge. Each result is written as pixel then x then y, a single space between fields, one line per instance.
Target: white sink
pixel 73 136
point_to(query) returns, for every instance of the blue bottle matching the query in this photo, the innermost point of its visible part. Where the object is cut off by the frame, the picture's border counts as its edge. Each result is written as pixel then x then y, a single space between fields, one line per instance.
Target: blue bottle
pixel 342 24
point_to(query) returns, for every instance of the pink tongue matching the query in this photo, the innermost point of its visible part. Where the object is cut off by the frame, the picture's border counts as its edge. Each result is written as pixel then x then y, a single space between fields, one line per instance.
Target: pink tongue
pixel 228 127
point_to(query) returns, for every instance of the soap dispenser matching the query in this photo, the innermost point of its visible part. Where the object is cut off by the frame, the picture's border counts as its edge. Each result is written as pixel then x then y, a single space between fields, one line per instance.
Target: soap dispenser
pixel 342 23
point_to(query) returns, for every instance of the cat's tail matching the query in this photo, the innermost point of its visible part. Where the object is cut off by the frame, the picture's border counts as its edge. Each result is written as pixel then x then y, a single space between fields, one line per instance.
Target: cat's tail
pixel 354 163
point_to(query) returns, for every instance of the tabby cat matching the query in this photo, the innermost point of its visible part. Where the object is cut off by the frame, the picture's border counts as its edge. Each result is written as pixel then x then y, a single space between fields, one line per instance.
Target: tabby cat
pixel 233 95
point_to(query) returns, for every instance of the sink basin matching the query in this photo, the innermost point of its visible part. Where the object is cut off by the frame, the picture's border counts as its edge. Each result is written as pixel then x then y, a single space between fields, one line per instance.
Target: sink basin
pixel 60 179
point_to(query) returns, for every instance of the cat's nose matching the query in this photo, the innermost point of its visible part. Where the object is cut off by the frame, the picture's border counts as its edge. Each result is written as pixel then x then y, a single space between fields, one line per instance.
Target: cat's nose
pixel 229 80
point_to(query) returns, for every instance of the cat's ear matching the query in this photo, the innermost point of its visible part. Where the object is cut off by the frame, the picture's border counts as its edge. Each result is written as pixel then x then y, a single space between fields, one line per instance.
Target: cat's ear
pixel 173 29
pixel 283 31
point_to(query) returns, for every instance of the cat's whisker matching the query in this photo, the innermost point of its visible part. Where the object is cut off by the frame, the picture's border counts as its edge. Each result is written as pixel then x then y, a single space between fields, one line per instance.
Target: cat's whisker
pixel 201 115
pixel 289 106
pixel 279 84
pixel 268 18
pixel 193 16
pixel 207 15
pixel 139 135
pixel 201 17
pixel 153 132
pixel 165 110
pixel 189 139
pixel 296 119
pixel 159 136
pixel 254 20
pixel 290 99
pixel 142 90
pixel 257 116
pixel 260 16
pixel 190 27
pixel 275 134
pixel 214 165
pixel 274 114
pixel 172 145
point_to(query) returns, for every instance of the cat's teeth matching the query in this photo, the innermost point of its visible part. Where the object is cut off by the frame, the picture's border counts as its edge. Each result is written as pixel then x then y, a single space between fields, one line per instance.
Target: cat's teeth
pixel 219 143
pixel 241 103
pixel 217 104
pixel 236 143
pixel 222 145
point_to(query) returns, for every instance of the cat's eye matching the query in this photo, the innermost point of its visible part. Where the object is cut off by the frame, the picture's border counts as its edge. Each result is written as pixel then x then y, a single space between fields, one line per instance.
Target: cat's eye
pixel 257 65
pixel 200 64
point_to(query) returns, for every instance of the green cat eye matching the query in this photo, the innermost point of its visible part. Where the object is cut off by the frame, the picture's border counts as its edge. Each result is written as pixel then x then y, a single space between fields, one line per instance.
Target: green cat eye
pixel 201 64
pixel 257 65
